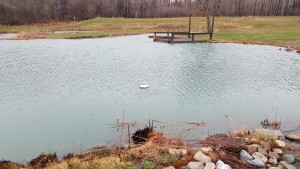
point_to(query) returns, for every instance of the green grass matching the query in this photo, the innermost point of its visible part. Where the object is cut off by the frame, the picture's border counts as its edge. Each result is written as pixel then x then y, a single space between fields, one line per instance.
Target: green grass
pixel 280 31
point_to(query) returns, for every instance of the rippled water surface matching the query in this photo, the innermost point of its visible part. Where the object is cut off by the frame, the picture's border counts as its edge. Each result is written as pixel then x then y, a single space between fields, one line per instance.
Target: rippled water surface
pixel 59 95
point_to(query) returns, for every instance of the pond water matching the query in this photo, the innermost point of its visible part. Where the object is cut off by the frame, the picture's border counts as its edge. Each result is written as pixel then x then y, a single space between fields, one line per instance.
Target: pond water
pixel 60 95
pixel 7 35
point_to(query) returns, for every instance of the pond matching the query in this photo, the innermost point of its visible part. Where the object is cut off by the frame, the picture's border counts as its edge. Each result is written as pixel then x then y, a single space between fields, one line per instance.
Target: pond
pixel 7 35
pixel 61 95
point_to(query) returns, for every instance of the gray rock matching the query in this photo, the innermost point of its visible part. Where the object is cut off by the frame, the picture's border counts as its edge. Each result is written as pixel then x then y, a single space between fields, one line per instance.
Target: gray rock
pixel 170 167
pixel 288 166
pixel 260 156
pixel 294 136
pixel 274 168
pixel 289 158
pixel 269 133
pixel 277 150
pixel 210 165
pixel 273 161
pixel 257 162
pixel 199 156
pixel 244 156
pixel 195 165
pixel 221 165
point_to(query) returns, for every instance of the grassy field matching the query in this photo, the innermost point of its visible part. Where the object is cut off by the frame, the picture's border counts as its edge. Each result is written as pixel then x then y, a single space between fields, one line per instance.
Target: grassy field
pixel 278 31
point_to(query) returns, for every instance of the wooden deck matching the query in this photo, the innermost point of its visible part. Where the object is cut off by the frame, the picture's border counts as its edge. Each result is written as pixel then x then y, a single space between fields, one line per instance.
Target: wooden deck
pixel 176 37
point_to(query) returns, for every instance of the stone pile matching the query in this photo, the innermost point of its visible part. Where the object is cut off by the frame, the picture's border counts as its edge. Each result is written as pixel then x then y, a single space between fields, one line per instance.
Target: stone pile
pixel 258 153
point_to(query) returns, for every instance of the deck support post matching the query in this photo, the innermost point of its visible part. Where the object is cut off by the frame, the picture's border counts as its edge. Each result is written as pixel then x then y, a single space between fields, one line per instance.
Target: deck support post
pixel 190 21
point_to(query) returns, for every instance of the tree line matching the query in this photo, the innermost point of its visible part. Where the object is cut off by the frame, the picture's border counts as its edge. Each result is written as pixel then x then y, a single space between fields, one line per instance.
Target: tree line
pixel 14 12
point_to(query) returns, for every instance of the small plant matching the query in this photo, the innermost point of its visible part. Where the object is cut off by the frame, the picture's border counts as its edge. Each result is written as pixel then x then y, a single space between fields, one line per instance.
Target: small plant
pixel 131 166
pixel 170 159
pixel 148 165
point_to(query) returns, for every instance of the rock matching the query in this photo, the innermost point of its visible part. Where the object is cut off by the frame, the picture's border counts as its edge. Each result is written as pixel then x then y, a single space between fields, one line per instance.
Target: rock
pixel 256 145
pixel 273 154
pixel 174 152
pixel 260 156
pixel 252 149
pixel 294 136
pixel 273 161
pixel 221 165
pixel 195 165
pixel 269 133
pixel 170 167
pixel 268 165
pixel 297 165
pixel 263 151
pixel 199 156
pixel 210 165
pixel 244 156
pixel 206 149
pixel 266 145
pixel 289 158
pixel 288 166
pixel 178 152
pixel 277 150
pixel 274 168
pixel 282 162
pixel 297 158
pixel 183 152
pixel 257 162
pixel 279 143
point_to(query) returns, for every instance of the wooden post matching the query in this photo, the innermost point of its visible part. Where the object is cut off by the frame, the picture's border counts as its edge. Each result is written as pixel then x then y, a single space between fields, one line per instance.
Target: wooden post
pixel 212 28
pixel 190 21
pixel 128 136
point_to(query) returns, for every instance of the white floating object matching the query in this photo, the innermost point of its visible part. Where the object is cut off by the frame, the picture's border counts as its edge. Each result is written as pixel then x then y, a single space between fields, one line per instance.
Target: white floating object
pixel 144 86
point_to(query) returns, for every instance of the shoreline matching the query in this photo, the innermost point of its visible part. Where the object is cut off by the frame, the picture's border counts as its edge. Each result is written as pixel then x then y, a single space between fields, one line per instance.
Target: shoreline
pixel 287 47
pixel 238 149
pixel 281 31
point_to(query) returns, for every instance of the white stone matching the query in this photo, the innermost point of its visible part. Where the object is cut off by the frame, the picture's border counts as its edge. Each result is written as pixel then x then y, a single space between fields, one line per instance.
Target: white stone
pixel 210 165
pixel 279 143
pixel 174 152
pixel 195 165
pixel 183 152
pixel 221 165
pixel 260 156
pixel 170 167
pixel 277 150
pixel 273 161
pixel 199 156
